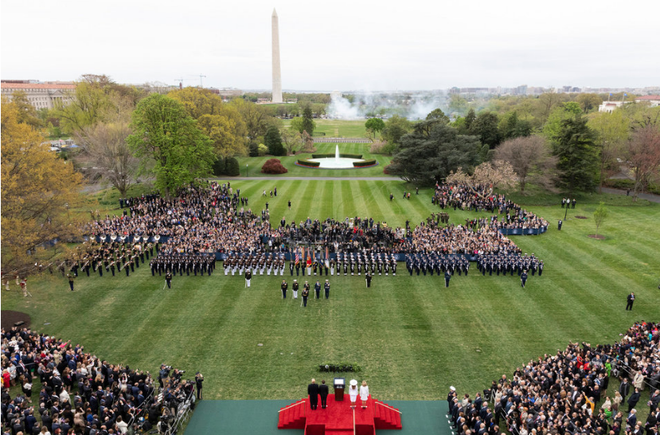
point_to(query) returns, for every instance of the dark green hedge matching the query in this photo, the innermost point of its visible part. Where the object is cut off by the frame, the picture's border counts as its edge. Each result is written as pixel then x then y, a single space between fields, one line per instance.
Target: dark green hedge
pixel 339 367
pixel 305 162
pixel 346 156
pixel 364 163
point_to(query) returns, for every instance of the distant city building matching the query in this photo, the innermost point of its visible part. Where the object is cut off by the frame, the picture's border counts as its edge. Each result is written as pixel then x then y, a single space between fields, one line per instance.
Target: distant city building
pixel 653 99
pixel 611 106
pixel 40 95
pixel 227 93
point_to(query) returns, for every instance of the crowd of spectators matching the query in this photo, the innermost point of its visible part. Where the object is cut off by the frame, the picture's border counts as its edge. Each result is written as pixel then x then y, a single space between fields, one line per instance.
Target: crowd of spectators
pixel 80 393
pixel 569 392
pixel 212 218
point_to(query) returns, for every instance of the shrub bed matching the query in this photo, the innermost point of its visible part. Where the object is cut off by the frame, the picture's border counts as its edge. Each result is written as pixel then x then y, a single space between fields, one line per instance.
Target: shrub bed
pixel 363 163
pixel 339 367
pixel 346 156
pixel 305 162
pixel 273 166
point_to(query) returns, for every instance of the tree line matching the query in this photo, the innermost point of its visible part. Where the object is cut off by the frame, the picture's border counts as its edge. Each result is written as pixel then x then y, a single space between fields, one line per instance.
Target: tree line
pixel 570 151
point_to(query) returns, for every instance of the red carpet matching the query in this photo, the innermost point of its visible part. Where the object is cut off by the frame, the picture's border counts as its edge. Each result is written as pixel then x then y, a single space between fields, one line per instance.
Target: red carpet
pixel 338 418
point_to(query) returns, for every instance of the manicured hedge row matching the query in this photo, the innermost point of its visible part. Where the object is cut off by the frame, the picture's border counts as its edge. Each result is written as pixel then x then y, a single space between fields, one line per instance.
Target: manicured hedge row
pixel 305 162
pixel 346 156
pixel 371 162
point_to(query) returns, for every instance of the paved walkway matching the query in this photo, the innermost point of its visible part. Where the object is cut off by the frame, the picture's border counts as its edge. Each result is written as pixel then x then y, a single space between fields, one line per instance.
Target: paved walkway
pixel 647 196
pixel 309 178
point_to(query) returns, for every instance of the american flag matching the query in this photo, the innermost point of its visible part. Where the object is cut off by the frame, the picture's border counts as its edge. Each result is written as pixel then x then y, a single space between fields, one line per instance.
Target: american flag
pixel 297 257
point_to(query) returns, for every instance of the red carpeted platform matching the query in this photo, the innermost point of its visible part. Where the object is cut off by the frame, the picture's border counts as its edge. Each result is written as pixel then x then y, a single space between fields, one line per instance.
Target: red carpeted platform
pixel 338 418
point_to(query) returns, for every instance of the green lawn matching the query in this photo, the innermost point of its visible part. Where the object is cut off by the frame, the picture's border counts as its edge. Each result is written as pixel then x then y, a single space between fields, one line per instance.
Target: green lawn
pixel 255 163
pixel 337 128
pixel 412 337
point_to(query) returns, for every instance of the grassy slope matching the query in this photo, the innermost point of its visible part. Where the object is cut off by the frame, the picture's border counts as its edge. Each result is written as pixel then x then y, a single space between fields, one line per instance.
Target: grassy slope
pixel 337 128
pixel 412 337
pixel 255 163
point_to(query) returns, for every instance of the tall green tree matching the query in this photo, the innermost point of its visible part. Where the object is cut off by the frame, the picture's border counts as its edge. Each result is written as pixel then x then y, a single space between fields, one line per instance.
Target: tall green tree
pixel 395 128
pixel 577 155
pixel 374 126
pixel 308 123
pixel 164 133
pixel 487 129
pixel 431 153
pixel 273 141
pixel 469 119
pixel 512 127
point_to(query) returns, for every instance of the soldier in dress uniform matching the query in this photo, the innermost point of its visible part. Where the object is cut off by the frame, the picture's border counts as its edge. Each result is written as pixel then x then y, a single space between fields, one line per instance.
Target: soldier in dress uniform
pixel 523 278
pixel 326 287
pixel 305 293
pixel 367 279
pixel 168 279
pixel 295 287
pixel 248 277
pixel 317 289
pixel 284 286
pixel 447 278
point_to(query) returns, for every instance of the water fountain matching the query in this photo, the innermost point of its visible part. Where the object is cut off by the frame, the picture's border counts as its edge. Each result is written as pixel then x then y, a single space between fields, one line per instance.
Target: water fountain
pixel 336 162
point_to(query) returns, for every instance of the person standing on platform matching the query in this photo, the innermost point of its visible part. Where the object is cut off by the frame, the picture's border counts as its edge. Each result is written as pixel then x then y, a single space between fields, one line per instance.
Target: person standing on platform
pixel 284 286
pixel 71 278
pixel 523 278
pixel 631 301
pixel 364 394
pixel 294 287
pixel 248 277
pixel 327 289
pixel 367 279
pixel 313 391
pixel 447 278
pixel 323 392
pixel 353 392
pixel 305 294
pixel 168 279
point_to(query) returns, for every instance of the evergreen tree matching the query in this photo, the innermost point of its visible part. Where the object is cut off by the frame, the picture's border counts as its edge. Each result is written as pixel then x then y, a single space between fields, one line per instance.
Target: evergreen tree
pixel 273 141
pixel 577 155
pixel 485 126
pixel 470 118
pixel 432 151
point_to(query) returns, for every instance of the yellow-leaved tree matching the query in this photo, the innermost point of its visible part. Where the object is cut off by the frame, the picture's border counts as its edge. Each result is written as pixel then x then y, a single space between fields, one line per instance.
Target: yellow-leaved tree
pixel 38 191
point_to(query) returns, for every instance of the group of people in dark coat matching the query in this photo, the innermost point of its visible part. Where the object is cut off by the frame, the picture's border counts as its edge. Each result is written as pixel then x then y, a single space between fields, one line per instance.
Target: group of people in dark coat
pixel 80 393
pixel 190 264
pixel 568 393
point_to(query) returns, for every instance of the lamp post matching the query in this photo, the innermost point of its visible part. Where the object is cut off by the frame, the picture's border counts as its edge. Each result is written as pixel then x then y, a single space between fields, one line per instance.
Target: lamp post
pixel 247 173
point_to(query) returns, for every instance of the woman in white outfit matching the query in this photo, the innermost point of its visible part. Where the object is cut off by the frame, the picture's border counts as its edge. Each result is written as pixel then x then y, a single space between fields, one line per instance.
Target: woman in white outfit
pixel 353 392
pixel 364 394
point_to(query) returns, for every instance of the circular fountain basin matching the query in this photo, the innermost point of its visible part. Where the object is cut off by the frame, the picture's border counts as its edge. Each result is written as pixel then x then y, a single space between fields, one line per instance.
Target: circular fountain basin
pixel 336 162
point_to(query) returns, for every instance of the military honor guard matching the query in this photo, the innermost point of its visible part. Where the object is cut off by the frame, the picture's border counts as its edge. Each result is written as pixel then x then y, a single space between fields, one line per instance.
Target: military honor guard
pixel 523 278
pixel 248 278
pixel 168 279
pixel 305 294
pixel 295 287
pixel 317 290
pixel 326 286
pixel 284 286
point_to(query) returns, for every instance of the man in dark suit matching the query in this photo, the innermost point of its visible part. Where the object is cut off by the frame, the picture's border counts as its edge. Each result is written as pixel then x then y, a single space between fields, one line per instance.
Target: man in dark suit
pixel 323 392
pixel 632 419
pixel 624 388
pixel 447 278
pixel 631 300
pixel 313 391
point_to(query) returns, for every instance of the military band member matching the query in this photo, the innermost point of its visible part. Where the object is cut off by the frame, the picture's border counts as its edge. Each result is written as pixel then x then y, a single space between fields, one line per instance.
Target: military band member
pixel 248 277
pixel 326 287
pixel 523 278
pixel 367 279
pixel 71 277
pixel 447 278
pixel 168 279
pixel 291 267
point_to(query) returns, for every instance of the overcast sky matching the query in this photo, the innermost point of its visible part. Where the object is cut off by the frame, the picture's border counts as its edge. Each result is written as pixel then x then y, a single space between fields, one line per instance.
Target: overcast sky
pixel 337 45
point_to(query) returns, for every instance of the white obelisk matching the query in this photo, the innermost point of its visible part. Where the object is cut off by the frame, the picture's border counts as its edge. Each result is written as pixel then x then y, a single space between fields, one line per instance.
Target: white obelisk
pixel 277 73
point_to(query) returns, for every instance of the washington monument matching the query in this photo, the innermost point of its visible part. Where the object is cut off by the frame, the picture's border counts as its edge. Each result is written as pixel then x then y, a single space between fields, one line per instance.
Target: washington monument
pixel 277 73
